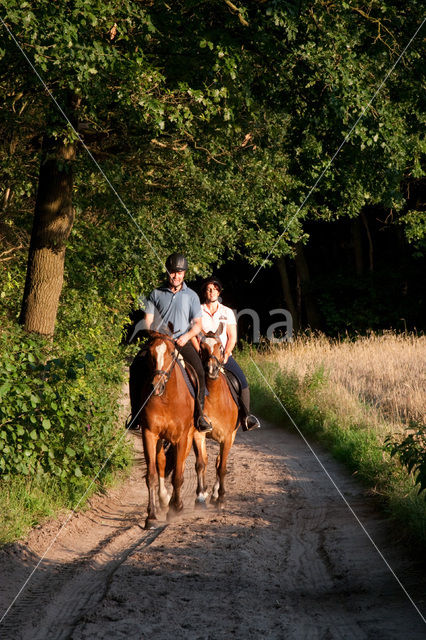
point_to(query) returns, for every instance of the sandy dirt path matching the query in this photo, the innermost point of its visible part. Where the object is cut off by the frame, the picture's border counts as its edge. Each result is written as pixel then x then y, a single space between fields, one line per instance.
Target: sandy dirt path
pixel 284 559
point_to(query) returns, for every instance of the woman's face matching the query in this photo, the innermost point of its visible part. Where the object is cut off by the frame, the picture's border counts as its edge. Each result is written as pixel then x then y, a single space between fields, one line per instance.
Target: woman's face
pixel 212 293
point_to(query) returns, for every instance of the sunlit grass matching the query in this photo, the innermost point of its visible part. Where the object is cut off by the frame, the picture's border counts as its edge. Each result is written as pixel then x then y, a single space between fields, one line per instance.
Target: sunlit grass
pixel 379 377
pixel 351 395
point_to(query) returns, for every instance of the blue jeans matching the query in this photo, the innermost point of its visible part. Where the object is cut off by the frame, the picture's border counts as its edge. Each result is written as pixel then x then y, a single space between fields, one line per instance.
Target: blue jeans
pixel 235 368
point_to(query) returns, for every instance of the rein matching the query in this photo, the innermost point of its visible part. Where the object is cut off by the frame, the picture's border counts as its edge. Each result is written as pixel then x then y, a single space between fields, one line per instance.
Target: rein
pixel 216 359
pixel 166 374
pixel 218 363
pixel 162 372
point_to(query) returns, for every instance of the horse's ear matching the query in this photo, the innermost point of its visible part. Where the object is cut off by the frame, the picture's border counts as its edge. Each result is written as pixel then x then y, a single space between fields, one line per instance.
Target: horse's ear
pixel 219 329
pixel 171 327
pixel 201 336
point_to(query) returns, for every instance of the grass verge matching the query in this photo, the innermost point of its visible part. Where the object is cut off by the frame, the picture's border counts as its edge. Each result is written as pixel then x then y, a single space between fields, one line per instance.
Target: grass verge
pixel 28 502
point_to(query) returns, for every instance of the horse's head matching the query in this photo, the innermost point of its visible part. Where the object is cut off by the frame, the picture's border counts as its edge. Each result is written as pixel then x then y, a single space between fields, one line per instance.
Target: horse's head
pixel 162 354
pixel 211 351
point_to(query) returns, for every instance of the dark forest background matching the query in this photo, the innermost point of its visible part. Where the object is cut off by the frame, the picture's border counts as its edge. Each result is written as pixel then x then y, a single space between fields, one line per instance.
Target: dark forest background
pixel 363 276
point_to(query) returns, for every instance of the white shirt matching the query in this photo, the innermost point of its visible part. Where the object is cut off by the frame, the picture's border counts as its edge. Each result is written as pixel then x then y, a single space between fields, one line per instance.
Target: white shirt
pixel 211 321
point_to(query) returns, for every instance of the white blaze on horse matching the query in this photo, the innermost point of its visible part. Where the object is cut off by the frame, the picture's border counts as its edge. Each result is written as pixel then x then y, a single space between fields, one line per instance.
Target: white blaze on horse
pixel 167 413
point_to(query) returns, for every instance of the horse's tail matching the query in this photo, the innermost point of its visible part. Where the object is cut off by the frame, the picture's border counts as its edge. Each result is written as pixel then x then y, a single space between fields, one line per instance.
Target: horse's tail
pixel 170 451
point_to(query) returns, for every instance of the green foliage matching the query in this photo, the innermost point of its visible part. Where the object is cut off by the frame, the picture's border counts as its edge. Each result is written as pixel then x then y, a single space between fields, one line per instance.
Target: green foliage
pixel 411 451
pixel 50 419
pixel 192 109
pixel 415 226
pixel 59 436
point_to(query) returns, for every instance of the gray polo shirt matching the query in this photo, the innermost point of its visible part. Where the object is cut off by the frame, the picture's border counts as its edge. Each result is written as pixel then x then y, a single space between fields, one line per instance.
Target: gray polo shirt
pixel 179 308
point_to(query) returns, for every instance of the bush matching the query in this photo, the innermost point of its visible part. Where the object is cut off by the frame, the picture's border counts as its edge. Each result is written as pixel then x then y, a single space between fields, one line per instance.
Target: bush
pixel 59 438
pixel 56 414
pixel 411 452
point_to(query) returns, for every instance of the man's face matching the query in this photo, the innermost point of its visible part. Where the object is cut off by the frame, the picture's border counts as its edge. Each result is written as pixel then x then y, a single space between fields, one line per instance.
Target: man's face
pixel 212 293
pixel 176 278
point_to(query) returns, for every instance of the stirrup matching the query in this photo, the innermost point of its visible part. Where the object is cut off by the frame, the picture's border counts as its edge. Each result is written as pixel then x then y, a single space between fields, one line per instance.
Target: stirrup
pixel 250 422
pixel 131 425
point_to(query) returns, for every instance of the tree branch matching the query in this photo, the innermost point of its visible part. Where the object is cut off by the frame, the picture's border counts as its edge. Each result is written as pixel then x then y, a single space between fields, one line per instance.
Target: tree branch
pixel 236 10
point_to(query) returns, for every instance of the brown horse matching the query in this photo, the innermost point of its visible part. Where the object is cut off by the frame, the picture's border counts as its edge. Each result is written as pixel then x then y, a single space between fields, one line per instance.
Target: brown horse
pixel 168 414
pixel 223 414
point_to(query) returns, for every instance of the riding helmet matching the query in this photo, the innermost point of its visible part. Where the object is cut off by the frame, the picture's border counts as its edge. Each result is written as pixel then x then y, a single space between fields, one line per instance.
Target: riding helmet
pixel 176 262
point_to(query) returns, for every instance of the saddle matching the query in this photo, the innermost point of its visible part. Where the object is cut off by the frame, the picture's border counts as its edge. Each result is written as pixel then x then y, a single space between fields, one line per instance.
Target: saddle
pixel 189 376
pixel 234 386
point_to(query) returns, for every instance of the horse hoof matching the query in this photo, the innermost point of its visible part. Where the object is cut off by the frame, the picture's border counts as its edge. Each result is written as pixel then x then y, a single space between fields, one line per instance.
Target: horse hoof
pixel 151 524
pixel 200 503
pixel 173 513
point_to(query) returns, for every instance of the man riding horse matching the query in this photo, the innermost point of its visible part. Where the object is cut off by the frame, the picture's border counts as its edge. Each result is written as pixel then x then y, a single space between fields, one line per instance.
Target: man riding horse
pixel 175 305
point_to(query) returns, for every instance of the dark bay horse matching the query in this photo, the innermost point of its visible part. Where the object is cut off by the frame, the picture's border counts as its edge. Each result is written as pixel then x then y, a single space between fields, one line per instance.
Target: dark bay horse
pixel 168 414
pixel 223 414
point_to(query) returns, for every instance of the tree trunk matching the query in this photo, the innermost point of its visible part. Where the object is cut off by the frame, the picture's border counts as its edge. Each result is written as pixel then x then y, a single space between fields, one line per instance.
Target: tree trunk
pixel 53 220
pixel 312 313
pixel 288 296
pixel 357 244
pixel 370 241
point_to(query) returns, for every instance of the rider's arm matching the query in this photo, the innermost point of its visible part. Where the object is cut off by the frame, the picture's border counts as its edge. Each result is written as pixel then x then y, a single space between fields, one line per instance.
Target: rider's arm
pixel 191 333
pixel 149 319
pixel 231 339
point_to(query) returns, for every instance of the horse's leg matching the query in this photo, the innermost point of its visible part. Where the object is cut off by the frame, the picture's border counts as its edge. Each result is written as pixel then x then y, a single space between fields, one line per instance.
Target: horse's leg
pixel 182 450
pixel 218 494
pixel 215 491
pixel 150 447
pixel 163 494
pixel 200 467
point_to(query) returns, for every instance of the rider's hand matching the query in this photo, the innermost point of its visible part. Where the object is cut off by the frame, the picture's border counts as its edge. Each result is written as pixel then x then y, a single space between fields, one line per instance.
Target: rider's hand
pixel 225 357
pixel 182 340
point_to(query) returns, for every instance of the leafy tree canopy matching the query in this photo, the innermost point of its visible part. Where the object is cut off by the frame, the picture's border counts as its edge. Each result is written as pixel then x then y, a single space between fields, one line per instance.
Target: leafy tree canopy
pixel 213 121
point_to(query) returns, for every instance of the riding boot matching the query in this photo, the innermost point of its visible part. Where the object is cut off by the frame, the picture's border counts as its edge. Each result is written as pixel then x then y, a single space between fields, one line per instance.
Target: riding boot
pixel 202 423
pixel 248 420
pixel 192 358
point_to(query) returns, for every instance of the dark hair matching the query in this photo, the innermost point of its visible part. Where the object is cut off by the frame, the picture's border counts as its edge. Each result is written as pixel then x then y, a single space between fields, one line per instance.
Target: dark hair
pixel 211 280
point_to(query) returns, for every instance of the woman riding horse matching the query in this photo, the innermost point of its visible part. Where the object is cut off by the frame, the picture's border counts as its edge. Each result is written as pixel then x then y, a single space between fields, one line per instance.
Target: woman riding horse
pixel 213 314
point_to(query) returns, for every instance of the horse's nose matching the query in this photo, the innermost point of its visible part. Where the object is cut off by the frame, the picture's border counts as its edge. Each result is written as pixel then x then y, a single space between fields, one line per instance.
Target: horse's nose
pixel 158 385
pixel 213 371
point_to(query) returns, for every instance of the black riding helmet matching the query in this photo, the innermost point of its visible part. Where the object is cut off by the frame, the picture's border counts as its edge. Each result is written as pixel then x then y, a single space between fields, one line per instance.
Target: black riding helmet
pixel 176 262
pixel 211 280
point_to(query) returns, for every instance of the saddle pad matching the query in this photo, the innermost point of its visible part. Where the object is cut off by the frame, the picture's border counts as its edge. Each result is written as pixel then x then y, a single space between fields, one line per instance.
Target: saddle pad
pixel 186 378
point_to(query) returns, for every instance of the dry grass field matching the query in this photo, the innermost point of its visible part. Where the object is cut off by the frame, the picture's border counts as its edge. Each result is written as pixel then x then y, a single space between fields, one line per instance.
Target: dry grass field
pixel 357 397
pixel 380 379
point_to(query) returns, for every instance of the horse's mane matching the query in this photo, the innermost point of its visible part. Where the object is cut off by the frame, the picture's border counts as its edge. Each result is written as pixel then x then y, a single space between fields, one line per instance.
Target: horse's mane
pixel 167 335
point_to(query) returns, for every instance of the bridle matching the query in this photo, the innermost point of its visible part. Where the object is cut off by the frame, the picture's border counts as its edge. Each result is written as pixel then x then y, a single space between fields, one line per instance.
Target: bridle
pixel 164 373
pixel 217 367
